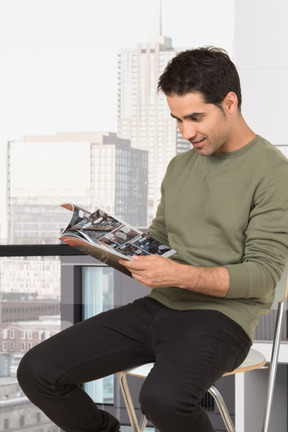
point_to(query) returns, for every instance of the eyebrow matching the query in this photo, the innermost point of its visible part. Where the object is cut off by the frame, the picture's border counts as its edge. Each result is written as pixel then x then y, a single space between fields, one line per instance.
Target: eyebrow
pixel 187 116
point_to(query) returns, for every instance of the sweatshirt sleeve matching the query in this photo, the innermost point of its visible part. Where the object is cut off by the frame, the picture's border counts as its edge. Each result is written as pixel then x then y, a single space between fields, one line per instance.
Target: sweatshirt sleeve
pixel 266 245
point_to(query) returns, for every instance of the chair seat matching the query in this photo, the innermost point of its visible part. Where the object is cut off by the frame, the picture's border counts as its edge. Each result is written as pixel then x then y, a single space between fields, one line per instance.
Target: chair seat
pixel 141 371
pixel 254 360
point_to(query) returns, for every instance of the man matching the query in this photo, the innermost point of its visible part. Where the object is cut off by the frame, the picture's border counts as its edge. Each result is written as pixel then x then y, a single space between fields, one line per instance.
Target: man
pixel 224 209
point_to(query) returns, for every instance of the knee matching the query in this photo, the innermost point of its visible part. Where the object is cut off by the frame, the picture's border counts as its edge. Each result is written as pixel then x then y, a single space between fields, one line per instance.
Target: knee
pixel 168 407
pixel 153 398
pixel 160 401
pixel 30 372
pixel 25 369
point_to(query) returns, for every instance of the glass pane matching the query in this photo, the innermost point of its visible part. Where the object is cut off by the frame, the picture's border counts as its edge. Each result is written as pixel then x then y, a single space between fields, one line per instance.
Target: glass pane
pixel 112 86
pixel 98 296
pixel 29 314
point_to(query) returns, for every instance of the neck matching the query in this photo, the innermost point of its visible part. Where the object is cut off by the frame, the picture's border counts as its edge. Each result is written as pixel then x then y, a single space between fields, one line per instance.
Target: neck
pixel 244 132
pixel 241 134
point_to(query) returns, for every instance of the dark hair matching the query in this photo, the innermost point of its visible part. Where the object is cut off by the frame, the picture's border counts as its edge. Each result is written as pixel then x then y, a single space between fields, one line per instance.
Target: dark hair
pixel 206 70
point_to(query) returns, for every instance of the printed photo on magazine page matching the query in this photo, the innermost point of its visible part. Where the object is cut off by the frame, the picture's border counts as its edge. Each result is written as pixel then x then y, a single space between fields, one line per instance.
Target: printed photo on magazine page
pixel 107 238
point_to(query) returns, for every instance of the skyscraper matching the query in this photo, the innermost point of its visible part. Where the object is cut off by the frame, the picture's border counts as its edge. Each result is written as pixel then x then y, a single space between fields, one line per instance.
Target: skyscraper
pixel 89 169
pixel 143 115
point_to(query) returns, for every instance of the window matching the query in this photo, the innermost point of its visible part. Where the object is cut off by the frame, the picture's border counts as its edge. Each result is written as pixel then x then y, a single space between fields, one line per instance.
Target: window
pixel 40 175
pixel 41 335
pixel 98 296
pixel 38 417
pixel 22 421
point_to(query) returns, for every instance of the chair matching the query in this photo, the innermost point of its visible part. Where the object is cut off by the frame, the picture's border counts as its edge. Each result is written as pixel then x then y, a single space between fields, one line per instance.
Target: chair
pixel 254 360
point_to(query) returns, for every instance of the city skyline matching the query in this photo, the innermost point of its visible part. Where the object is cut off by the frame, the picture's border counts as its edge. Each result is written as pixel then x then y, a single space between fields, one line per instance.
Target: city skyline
pixel 56 62
pixel 59 74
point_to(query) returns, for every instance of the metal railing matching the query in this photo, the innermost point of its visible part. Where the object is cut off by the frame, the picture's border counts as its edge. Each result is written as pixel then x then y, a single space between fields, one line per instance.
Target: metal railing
pixel 38 250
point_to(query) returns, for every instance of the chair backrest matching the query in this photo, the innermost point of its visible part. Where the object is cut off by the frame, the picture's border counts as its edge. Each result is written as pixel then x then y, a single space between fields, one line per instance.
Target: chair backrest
pixel 281 290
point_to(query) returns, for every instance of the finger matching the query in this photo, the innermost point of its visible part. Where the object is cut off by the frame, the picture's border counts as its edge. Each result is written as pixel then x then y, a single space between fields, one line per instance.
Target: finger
pixel 137 265
pixel 124 262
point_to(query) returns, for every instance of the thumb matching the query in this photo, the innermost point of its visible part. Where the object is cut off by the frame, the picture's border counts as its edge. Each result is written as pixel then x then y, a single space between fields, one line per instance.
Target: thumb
pixel 135 257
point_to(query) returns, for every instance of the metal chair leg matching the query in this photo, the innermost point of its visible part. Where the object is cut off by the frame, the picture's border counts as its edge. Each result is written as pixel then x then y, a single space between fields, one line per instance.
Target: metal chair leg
pixel 222 408
pixel 143 423
pixel 129 404
pixel 273 368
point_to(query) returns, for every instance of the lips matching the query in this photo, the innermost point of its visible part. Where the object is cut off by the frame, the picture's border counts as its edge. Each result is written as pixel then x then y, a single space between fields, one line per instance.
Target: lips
pixel 197 143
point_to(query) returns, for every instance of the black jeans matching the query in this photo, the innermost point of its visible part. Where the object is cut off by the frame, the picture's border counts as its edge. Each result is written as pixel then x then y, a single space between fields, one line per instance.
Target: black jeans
pixel 192 349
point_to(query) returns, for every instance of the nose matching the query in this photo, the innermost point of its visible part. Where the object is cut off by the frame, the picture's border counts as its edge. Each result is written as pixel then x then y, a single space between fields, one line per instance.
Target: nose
pixel 188 130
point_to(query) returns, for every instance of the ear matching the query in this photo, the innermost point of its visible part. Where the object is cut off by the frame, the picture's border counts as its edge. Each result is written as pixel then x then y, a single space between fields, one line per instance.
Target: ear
pixel 230 103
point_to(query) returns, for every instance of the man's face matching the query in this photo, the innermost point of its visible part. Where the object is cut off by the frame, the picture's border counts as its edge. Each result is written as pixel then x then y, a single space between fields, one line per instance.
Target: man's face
pixel 205 125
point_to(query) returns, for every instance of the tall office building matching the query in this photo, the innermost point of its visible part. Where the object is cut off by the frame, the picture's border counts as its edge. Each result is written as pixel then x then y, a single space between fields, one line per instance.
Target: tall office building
pixel 89 169
pixel 143 115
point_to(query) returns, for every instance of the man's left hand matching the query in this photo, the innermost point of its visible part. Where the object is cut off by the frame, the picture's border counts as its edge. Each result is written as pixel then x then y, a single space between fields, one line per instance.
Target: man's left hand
pixel 153 271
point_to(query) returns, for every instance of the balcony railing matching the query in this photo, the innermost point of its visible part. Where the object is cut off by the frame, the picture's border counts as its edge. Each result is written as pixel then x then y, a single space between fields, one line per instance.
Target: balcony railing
pixel 38 250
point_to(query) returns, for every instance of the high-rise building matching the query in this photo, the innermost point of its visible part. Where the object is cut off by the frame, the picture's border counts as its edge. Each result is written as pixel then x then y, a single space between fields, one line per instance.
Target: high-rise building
pixel 89 169
pixel 143 115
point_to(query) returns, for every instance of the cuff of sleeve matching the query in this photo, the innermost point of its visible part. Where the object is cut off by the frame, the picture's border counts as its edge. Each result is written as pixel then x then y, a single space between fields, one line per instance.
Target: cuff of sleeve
pixel 239 281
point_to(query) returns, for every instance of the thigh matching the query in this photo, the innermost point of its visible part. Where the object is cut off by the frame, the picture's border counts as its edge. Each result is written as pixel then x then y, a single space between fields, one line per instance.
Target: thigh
pixel 97 347
pixel 193 349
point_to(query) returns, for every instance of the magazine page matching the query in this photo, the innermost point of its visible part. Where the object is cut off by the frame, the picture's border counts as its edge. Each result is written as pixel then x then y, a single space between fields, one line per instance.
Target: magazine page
pixel 108 234
pixel 79 216
pixel 102 254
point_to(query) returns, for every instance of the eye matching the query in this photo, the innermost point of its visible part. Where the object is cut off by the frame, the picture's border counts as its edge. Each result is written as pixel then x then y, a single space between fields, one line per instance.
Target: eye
pixel 196 118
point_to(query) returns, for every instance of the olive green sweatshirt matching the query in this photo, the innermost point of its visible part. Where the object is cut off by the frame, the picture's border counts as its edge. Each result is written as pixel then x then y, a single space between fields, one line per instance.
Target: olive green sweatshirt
pixel 231 210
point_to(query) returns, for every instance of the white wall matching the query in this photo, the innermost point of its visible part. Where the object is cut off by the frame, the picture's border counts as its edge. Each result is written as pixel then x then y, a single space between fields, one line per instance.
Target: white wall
pixel 261 56
pixel 250 401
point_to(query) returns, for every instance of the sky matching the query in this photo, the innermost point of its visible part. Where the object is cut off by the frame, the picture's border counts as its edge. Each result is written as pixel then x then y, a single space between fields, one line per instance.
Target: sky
pixel 59 58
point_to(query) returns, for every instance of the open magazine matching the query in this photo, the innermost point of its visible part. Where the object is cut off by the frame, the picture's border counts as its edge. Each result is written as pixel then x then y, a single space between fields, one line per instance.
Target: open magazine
pixel 107 238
